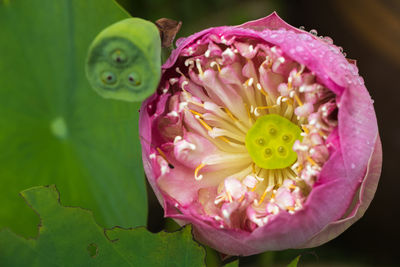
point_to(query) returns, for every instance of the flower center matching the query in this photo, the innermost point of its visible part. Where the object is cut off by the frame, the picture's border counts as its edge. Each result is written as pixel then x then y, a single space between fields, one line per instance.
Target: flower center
pixel 270 141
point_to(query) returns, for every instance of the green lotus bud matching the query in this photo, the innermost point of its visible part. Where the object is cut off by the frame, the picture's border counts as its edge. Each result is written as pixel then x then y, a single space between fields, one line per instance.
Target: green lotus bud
pixel 124 60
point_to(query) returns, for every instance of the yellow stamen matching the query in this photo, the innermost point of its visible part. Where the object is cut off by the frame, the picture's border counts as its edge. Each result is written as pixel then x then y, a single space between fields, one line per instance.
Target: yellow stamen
pixel 196 103
pixel 299 168
pixel 259 87
pixel 205 125
pixel 230 114
pixel 292 187
pixel 196 113
pixel 248 113
pixel 229 196
pixel 198 65
pixel 223 138
pixel 322 134
pixel 162 154
pixel 311 161
pixel 305 129
pixel 215 63
pixel 267 107
pixel 262 197
pixel 253 167
pixel 298 100
pixel 196 171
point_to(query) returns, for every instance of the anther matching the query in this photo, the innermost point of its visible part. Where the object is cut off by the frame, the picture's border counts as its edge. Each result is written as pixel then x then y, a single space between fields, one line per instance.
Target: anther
pixel 298 100
pixel 198 65
pixel 212 64
pixel 183 85
pixel 311 161
pixel 196 113
pixel 230 114
pixel 196 172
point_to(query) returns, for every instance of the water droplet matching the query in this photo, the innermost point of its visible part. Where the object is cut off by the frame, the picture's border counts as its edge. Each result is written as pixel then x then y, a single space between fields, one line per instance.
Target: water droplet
pixel 302 28
pixel 328 40
pixel 314 32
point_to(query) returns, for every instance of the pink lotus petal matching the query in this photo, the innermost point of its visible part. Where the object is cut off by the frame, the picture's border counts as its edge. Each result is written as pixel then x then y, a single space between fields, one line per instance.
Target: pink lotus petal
pixel 215 85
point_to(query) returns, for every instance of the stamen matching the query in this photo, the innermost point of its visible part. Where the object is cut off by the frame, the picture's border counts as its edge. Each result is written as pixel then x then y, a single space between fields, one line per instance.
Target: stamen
pixel 164 157
pixel 253 167
pixel 198 65
pixel 229 196
pixel 322 134
pixel 292 187
pixel 196 113
pixel 299 168
pixel 205 125
pixel 298 100
pixel 196 172
pixel 263 196
pixel 223 138
pixel 196 103
pixel 179 71
pixel 214 63
pixel 259 88
pixel 230 114
pixel 173 81
pixel 290 209
pixel 263 107
pixel 305 129
pixel 249 82
pixel 183 85
pixel 162 154
pixel 311 161
pixel 248 113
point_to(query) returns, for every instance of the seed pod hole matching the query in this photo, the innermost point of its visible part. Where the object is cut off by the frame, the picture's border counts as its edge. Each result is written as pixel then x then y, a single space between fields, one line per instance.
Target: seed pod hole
pixel 272 131
pixel 281 150
pixel 286 138
pixel 108 77
pixel 261 141
pixel 118 56
pixel 134 79
pixel 268 152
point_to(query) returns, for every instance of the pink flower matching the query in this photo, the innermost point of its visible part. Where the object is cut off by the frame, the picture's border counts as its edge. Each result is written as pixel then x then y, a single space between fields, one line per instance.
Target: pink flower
pixel 263 136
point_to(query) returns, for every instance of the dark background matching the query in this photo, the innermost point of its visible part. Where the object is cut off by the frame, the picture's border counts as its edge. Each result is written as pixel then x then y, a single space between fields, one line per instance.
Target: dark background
pixel 369 31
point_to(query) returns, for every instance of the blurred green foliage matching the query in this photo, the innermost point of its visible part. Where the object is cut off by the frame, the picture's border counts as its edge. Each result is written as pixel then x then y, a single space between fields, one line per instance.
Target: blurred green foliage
pixel 54 129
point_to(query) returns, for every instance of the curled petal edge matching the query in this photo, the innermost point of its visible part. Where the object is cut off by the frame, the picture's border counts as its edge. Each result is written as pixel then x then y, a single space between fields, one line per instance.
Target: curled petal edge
pixel 365 196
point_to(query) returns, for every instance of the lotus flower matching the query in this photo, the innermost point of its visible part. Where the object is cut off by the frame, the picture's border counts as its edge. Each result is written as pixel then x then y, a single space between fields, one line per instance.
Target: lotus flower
pixel 263 136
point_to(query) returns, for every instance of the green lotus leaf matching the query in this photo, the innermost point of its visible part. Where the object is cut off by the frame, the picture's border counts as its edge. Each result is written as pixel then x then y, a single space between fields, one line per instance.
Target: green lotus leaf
pixel 54 129
pixel 69 236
